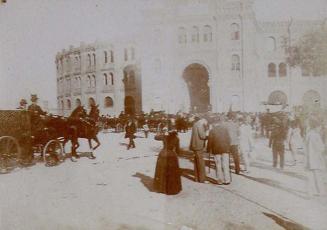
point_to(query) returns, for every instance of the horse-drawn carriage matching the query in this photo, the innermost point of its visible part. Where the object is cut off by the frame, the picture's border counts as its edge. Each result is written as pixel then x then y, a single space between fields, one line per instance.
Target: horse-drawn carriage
pixel 23 134
pixel 19 142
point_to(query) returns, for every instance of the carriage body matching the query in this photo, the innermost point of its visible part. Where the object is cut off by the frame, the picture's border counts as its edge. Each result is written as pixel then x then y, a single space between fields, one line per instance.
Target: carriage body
pixel 19 139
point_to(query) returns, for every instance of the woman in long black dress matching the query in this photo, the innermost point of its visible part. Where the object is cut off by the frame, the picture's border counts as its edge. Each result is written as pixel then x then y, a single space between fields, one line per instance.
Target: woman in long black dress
pixel 167 178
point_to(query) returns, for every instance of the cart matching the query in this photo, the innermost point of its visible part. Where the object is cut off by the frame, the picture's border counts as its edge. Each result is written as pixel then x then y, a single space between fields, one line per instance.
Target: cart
pixel 19 141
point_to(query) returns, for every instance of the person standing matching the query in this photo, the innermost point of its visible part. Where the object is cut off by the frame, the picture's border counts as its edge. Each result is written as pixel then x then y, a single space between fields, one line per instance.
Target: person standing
pixel 246 142
pixel 167 177
pixel 94 116
pixel 219 146
pixel 130 133
pixel 277 141
pixel 314 160
pixel 146 129
pixel 295 140
pixel 234 132
pixel 197 145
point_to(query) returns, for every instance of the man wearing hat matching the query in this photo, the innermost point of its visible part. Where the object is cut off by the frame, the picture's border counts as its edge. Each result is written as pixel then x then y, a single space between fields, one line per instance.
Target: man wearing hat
pixel 35 111
pixel 22 104
pixel 34 108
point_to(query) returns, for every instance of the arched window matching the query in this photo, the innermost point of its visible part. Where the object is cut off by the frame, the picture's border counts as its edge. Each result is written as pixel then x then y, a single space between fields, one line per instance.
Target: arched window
pixel 111 78
pixel 132 53
pixel 125 54
pixel 236 62
pixel 88 81
pixel 78 82
pixel 108 102
pixel 69 104
pixel 76 62
pixel 93 81
pixel 67 63
pixel 105 78
pixel 271 44
pixel 182 38
pixel 207 33
pixel 78 101
pixel 105 57
pixel 235 31
pixel 112 56
pixel 282 70
pixel 271 70
pixel 68 85
pixel 89 60
pixel 195 34
pixel 94 60
pixel 61 64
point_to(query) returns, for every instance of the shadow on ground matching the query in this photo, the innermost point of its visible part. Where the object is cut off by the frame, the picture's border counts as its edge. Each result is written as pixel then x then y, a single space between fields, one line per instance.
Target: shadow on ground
pixel 147 181
pixel 286 224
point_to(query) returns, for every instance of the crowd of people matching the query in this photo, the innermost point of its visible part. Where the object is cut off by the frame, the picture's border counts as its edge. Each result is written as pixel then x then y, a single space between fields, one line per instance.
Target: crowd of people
pixel 228 137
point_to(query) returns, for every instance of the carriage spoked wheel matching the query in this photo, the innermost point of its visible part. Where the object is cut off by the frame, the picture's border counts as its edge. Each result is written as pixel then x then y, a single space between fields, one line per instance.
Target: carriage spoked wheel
pixel 10 153
pixel 53 153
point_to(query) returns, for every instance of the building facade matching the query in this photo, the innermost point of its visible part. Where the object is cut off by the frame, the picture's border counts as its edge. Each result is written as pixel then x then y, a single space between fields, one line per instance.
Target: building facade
pixel 192 55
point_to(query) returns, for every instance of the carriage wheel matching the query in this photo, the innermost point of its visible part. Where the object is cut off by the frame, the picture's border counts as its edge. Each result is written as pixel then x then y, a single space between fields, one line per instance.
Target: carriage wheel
pixel 53 153
pixel 10 153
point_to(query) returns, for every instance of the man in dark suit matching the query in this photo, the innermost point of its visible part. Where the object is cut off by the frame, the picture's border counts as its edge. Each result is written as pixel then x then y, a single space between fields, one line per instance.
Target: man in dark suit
pixel 34 108
pixel 36 113
pixel 219 143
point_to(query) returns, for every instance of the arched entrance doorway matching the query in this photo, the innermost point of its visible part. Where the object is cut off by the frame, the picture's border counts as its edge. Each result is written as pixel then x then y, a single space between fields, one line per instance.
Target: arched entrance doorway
pixel 129 105
pixel 196 77
pixel 277 98
pixel 133 90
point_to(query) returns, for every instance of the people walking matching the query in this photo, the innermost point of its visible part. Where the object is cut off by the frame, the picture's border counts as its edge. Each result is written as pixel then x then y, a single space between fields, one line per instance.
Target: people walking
pixel 219 146
pixel 234 133
pixel 246 142
pixel 167 177
pixel 130 133
pixel 314 160
pixel 197 145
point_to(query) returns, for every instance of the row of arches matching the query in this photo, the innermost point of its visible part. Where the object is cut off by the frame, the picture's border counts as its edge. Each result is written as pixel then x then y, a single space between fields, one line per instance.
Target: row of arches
pixel 108 102
pixel 206 33
pixel 91 60
pixel 310 98
pixel 108 56
pixel 272 70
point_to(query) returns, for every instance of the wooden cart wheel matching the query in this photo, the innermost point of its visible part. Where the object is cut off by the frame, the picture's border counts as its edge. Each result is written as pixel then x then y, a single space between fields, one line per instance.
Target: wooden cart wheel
pixel 10 153
pixel 53 153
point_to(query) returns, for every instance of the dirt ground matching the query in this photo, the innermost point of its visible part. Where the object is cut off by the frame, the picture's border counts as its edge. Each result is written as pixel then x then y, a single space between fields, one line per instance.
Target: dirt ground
pixel 115 191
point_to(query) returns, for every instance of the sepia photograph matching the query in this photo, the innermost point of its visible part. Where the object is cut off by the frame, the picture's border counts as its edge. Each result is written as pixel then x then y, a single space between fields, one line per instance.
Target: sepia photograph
pixel 163 114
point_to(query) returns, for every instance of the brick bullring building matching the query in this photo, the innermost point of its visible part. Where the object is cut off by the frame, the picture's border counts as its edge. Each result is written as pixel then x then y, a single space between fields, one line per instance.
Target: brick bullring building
pixel 191 55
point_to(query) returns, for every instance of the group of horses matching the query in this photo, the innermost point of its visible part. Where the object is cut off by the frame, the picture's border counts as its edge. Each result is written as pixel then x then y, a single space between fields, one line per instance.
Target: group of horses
pixel 50 127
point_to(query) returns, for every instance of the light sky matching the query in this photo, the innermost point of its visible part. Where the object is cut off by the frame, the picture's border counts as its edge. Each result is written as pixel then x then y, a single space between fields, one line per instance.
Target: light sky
pixel 33 31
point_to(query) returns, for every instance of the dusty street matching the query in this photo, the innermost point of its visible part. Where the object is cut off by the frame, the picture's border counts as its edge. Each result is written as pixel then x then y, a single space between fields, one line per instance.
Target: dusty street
pixel 114 192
